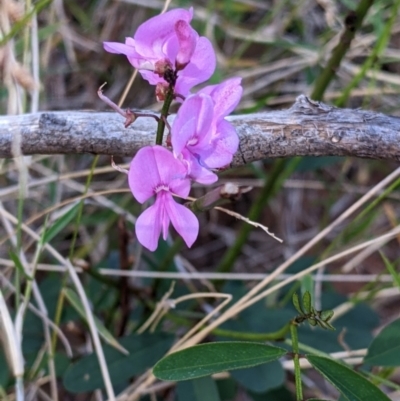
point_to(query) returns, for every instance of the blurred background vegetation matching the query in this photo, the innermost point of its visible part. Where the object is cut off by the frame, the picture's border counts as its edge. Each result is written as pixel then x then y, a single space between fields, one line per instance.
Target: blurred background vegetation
pixel 51 58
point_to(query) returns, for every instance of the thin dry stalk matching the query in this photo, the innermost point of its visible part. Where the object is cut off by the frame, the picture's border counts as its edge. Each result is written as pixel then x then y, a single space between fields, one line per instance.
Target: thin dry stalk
pixel 159 310
pixel 11 341
pixel 37 312
pixel 328 278
pixel 93 330
pixel 389 235
pixel 370 194
pixel 5 216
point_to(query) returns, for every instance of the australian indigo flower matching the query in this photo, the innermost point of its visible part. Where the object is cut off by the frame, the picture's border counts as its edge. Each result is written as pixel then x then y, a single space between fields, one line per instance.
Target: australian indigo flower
pixel 155 172
pixel 170 54
pixel 167 50
pixel 201 136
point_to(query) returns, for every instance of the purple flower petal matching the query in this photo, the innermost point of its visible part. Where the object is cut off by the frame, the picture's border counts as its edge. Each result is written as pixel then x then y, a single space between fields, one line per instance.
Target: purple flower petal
pixel 118 48
pixel 225 146
pixel 182 132
pixel 169 39
pixel 148 226
pixel 201 67
pixel 151 37
pixel 202 175
pixel 192 123
pixel 196 171
pixel 143 176
pixel 187 38
pixel 151 78
pixel 157 217
pixel 153 167
pixel 225 95
pixel 129 50
pixel 184 221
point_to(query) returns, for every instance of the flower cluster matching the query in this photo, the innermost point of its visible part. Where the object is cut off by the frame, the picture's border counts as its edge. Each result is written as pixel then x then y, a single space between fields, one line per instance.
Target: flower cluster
pixel 171 55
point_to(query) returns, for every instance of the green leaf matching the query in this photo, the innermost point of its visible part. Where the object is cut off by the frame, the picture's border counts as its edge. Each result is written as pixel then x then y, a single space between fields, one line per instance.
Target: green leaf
pixel 227 388
pixel 385 348
pixel 22 22
pixel 296 303
pixel 278 394
pixel 351 384
pixel 200 389
pixel 261 378
pixel 61 362
pixel 358 323
pixel 391 269
pixel 144 351
pixel 60 224
pixel 104 333
pixel 5 373
pixel 327 315
pixel 14 257
pixel 207 359
pixel 307 302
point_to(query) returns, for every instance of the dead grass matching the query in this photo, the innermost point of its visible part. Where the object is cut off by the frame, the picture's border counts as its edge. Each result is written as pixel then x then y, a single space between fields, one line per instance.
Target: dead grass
pixel 55 61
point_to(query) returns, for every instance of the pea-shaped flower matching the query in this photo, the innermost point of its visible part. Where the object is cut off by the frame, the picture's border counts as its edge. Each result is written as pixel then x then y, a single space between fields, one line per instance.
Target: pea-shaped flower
pixel 166 49
pixel 200 135
pixel 155 172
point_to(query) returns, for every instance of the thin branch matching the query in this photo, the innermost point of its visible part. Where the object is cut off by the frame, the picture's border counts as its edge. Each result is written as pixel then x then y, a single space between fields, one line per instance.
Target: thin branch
pixel 308 128
pixel 352 24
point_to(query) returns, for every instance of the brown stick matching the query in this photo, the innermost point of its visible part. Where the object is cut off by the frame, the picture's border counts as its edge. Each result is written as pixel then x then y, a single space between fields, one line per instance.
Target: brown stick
pixel 308 128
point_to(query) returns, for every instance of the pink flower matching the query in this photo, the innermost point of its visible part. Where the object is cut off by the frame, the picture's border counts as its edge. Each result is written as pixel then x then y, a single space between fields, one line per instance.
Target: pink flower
pixel 155 171
pixel 201 136
pixel 167 49
pixel 224 139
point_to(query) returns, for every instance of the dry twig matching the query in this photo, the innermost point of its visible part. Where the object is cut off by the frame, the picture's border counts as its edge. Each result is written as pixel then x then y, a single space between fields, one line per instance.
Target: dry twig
pixel 308 128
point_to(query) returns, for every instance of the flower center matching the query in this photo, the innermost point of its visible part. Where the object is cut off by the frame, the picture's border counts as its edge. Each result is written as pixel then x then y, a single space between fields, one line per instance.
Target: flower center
pixel 161 187
pixel 192 141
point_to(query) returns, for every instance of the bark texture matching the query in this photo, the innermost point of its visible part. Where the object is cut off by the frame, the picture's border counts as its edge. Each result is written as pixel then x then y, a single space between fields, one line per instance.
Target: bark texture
pixel 308 128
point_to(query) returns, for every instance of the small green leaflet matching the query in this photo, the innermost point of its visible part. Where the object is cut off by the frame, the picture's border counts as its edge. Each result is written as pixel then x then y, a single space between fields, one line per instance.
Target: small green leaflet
pixel 351 384
pixel 60 224
pixel 385 348
pixel 207 359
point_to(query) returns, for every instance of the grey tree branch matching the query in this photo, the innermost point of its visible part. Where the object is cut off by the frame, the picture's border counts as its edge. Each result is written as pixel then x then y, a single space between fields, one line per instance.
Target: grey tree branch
pixel 308 128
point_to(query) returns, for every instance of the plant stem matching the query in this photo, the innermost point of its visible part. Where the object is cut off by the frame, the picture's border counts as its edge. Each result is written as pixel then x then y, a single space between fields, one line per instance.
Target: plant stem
pixel 273 336
pixel 378 49
pixel 353 22
pixel 164 114
pixel 297 371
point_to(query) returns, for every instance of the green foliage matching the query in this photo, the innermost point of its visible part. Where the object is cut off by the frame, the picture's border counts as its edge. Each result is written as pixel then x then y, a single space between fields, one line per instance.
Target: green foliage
pixel 4 371
pixel 203 388
pixel 392 270
pixel 103 332
pixel 279 394
pixel 261 378
pixel 207 359
pixel 385 348
pixel 307 312
pixel 18 265
pixel 19 26
pixel 227 388
pixel 60 224
pixel 351 384
pixel 144 350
